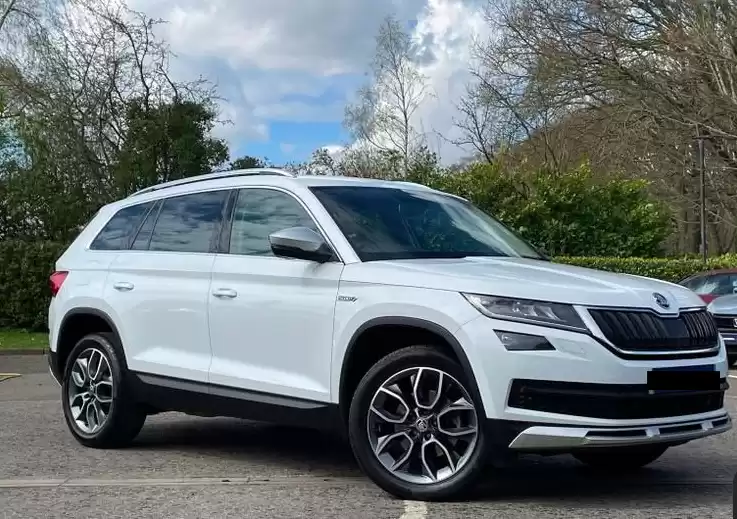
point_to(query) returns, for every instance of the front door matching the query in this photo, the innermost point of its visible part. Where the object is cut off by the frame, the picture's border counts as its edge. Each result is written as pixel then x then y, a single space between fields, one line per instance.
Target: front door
pixel 271 318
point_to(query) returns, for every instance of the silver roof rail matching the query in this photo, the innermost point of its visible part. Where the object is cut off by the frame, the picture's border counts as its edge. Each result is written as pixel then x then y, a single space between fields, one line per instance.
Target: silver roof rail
pixel 215 176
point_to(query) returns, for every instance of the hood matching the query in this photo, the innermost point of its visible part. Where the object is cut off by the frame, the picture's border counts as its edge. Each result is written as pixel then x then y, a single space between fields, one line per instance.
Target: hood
pixel 526 279
pixel 724 305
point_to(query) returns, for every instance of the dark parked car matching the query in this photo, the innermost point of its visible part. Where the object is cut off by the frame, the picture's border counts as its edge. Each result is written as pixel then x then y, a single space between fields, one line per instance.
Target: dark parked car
pixel 712 284
pixel 724 310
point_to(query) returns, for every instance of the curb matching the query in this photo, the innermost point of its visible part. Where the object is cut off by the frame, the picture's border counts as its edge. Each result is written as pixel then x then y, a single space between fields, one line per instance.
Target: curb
pixel 23 351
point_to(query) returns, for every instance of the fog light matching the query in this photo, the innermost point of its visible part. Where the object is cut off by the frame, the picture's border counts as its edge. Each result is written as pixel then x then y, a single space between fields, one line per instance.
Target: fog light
pixel 513 341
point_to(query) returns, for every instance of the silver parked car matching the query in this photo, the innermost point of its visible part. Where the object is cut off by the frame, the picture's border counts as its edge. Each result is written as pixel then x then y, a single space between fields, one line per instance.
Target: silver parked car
pixel 724 310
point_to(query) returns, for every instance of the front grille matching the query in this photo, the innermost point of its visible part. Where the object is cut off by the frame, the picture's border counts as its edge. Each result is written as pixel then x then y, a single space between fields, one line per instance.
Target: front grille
pixel 611 401
pixel 725 323
pixel 644 332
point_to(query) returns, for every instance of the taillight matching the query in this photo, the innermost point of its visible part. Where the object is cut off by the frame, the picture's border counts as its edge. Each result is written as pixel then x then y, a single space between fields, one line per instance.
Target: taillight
pixel 56 281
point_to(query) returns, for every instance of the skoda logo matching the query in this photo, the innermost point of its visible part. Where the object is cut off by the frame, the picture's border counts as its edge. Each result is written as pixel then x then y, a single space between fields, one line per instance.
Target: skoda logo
pixel 661 300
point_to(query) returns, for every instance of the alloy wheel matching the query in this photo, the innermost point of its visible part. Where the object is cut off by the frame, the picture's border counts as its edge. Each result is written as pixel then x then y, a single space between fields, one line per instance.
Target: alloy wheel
pixel 90 391
pixel 422 425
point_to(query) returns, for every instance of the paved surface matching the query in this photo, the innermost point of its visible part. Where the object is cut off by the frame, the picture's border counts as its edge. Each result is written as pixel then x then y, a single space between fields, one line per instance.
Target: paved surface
pixel 184 467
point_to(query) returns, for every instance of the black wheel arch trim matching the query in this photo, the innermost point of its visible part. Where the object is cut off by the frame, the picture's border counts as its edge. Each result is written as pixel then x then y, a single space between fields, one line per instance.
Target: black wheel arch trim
pixel 85 311
pixel 423 324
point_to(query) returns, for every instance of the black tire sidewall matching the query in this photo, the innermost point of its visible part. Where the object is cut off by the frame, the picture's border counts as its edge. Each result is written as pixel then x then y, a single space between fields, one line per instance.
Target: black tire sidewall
pixel 415 356
pixel 121 405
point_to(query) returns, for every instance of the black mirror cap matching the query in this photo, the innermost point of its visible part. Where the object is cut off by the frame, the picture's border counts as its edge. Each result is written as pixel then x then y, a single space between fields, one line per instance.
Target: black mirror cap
pixel 323 255
pixel 301 243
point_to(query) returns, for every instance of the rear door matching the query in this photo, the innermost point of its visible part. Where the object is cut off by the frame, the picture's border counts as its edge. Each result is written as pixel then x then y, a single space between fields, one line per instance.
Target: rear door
pixel 159 287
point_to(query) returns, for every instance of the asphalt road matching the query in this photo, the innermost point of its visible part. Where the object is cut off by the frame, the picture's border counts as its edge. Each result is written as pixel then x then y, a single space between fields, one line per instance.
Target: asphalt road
pixel 184 467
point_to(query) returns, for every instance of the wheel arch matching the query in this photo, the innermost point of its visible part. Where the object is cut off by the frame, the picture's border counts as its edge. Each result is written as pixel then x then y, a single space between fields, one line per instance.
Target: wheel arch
pixel 77 323
pixel 424 327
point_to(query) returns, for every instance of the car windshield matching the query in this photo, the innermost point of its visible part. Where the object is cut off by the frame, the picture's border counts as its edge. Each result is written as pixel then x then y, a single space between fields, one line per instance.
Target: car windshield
pixel 393 223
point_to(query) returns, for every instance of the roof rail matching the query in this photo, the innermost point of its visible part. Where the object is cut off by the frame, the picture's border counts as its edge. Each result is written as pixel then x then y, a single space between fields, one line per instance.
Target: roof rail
pixel 215 176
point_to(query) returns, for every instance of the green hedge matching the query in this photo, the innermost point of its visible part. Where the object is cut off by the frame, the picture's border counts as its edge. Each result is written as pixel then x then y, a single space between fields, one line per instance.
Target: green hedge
pixel 25 268
pixel 24 272
pixel 667 269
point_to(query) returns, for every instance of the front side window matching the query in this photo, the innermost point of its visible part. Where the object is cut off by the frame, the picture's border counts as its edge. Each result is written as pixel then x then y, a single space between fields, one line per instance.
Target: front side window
pixel 261 212
pixel 117 233
pixel 394 223
pixel 188 223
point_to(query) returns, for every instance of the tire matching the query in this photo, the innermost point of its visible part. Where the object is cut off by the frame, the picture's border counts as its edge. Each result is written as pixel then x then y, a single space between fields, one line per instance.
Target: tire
pixel 365 427
pixel 621 459
pixel 121 419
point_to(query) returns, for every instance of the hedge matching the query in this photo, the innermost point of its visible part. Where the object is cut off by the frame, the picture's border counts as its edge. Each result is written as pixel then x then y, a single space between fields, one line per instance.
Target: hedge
pixel 667 269
pixel 24 272
pixel 25 268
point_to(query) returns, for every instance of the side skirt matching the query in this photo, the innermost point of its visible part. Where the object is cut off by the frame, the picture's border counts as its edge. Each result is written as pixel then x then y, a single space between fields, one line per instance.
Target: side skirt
pixel 201 399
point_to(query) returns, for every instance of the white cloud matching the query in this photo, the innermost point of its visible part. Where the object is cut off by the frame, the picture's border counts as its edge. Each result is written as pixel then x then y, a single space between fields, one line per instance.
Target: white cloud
pixel 448 28
pixel 297 60
pixel 287 148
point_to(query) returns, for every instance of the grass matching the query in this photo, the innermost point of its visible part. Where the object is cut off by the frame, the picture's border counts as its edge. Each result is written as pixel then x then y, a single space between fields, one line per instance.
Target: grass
pixel 22 339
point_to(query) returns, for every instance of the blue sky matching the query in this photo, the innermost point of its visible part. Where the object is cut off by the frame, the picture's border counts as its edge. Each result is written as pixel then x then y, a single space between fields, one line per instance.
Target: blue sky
pixel 287 68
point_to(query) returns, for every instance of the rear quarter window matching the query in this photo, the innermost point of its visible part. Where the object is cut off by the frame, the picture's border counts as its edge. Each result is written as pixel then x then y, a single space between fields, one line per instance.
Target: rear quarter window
pixel 119 230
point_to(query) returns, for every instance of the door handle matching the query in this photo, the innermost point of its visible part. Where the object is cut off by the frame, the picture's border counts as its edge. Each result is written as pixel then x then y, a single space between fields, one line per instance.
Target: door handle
pixel 123 286
pixel 228 293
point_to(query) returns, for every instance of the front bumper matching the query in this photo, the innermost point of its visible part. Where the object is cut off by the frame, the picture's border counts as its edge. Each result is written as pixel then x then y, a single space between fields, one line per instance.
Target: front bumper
pixel 547 438
pixel 587 384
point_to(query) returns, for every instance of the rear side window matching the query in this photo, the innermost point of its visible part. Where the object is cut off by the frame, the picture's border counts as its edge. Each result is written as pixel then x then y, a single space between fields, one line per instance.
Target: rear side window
pixel 188 223
pixel 117 233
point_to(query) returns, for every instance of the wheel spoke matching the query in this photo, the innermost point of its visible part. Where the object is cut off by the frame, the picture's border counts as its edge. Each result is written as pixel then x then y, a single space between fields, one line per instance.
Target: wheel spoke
pixel 428 464
pixel 384 414
pixel 79 405
pixel 93 420
pixel 79 373
pixel 94 366
pixel 99 412
pixel 453 416
pixel 396 443
pixel 432 392
pixel 104 392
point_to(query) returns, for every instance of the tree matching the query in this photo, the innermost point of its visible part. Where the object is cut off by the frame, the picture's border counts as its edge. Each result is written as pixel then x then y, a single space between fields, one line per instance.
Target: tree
pixel 247 162
pixel 88 95
pixel 166 143
pixel 383 115
pixel 626 81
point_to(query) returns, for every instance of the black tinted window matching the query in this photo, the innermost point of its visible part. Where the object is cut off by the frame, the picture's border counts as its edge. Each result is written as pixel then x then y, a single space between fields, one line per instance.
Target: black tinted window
pixel 116 235
pixel 717 285
pixel 393 223
pixel 260 212
pixel 144 233
pixel 188 223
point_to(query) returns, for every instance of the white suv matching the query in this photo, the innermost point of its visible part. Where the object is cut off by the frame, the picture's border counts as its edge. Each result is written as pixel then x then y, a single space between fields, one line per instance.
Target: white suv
pixel 432 335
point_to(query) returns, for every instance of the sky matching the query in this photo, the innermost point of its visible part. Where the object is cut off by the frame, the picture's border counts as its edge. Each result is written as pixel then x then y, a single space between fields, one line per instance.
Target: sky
pixel 287 68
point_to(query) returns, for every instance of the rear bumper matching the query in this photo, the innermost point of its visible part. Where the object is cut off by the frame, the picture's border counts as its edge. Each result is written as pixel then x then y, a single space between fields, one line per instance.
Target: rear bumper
pixel 547 438
pixel 53 366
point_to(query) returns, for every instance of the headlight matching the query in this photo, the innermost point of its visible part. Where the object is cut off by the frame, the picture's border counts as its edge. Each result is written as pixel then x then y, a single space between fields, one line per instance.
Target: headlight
pixel 534 312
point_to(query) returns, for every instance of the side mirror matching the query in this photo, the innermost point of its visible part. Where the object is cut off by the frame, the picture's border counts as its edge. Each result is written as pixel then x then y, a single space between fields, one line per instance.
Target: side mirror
pixel 300 243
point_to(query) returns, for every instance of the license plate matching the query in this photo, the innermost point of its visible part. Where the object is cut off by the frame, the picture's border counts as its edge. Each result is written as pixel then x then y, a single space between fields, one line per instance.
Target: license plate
pixel 699 367
pixel 700 377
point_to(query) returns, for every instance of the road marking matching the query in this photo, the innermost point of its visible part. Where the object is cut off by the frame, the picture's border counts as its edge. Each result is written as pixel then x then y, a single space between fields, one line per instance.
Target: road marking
pixel 732 376
pixel 178 482
pixel 7 376
pixel 414 510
